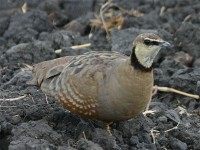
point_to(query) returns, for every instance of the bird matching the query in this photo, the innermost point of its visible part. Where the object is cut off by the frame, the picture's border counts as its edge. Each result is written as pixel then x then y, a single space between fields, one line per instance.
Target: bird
pixel 102 85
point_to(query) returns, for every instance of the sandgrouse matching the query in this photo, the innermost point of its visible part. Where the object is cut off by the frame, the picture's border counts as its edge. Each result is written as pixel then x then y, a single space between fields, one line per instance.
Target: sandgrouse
pixel 106 86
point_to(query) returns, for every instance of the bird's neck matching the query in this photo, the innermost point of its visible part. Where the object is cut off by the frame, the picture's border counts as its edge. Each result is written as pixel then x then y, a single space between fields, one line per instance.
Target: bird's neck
pixel 136 64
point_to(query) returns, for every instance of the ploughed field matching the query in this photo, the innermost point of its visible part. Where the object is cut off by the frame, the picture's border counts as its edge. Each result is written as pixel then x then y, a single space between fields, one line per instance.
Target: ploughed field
pixel 35 31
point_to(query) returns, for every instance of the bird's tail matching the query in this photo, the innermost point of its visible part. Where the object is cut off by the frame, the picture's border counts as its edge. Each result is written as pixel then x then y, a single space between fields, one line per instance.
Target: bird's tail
pixel 29 70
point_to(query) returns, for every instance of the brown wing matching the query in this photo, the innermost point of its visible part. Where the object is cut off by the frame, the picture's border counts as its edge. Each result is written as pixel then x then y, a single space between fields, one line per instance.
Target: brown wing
pixel 75 81
pixel 46 69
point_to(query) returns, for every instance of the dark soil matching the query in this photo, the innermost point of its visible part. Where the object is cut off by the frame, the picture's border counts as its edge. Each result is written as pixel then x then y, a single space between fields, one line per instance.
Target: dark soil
pixel 38 122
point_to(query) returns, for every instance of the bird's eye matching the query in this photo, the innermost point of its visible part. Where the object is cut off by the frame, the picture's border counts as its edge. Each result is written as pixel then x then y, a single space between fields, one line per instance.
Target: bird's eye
pixel 147 42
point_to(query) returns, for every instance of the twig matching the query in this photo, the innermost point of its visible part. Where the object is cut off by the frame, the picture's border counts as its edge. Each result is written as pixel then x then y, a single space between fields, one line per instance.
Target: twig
pixel 102 10
pixel 166 89
pixel 163 8
pixel 75 47
pixel 84 135
pixel 182 110
pixel 58 51
pixel 46 99
pixel 25 105
pixel 33 99
pixel 176 127
pixel 154 133
pixel 149 112
pixel 81 46
pixel 187 18
pixel 24 8
pixel 13 99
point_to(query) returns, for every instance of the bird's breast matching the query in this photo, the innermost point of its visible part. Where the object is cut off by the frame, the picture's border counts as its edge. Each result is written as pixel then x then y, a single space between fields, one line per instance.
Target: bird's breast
pixel 125 95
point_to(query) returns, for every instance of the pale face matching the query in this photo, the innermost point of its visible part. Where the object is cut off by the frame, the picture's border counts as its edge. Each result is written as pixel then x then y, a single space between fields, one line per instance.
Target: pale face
pixel 147 47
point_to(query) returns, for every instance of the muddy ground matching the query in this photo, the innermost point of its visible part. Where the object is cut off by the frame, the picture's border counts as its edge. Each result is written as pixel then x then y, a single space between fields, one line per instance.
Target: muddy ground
pixel 30 120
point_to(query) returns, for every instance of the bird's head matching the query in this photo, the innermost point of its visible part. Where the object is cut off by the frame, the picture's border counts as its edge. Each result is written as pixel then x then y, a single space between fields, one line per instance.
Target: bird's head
pixel 145 47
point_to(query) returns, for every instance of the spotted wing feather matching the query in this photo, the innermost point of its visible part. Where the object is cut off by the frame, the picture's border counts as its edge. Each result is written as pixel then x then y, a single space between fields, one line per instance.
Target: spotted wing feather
pixel 74 82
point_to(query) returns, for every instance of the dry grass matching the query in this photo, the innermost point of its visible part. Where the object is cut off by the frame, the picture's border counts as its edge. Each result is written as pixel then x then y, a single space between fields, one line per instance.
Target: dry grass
pixel 112 19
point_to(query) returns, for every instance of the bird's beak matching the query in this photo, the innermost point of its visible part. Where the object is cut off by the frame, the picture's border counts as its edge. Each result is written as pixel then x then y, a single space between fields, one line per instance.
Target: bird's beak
pixel 165 44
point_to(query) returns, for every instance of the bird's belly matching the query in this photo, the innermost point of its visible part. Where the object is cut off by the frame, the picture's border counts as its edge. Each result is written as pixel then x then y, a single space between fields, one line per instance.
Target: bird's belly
pixel 124 105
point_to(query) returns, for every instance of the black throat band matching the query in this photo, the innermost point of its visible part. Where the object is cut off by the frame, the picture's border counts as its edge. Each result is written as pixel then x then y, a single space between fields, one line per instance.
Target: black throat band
pixel 136 64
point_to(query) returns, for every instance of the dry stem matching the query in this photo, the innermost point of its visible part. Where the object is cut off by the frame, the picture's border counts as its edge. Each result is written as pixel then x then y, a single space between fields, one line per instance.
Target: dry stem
pixel 75 47
pixel 176 127
pixel 46 98
pixel 167 89
pixel 154 133
pixel 13 99
pixel 108 5
pixel 102 10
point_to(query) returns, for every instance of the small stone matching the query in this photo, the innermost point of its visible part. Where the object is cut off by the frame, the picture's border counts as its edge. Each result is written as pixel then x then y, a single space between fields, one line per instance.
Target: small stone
pixel 162 119
pixel 16 119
